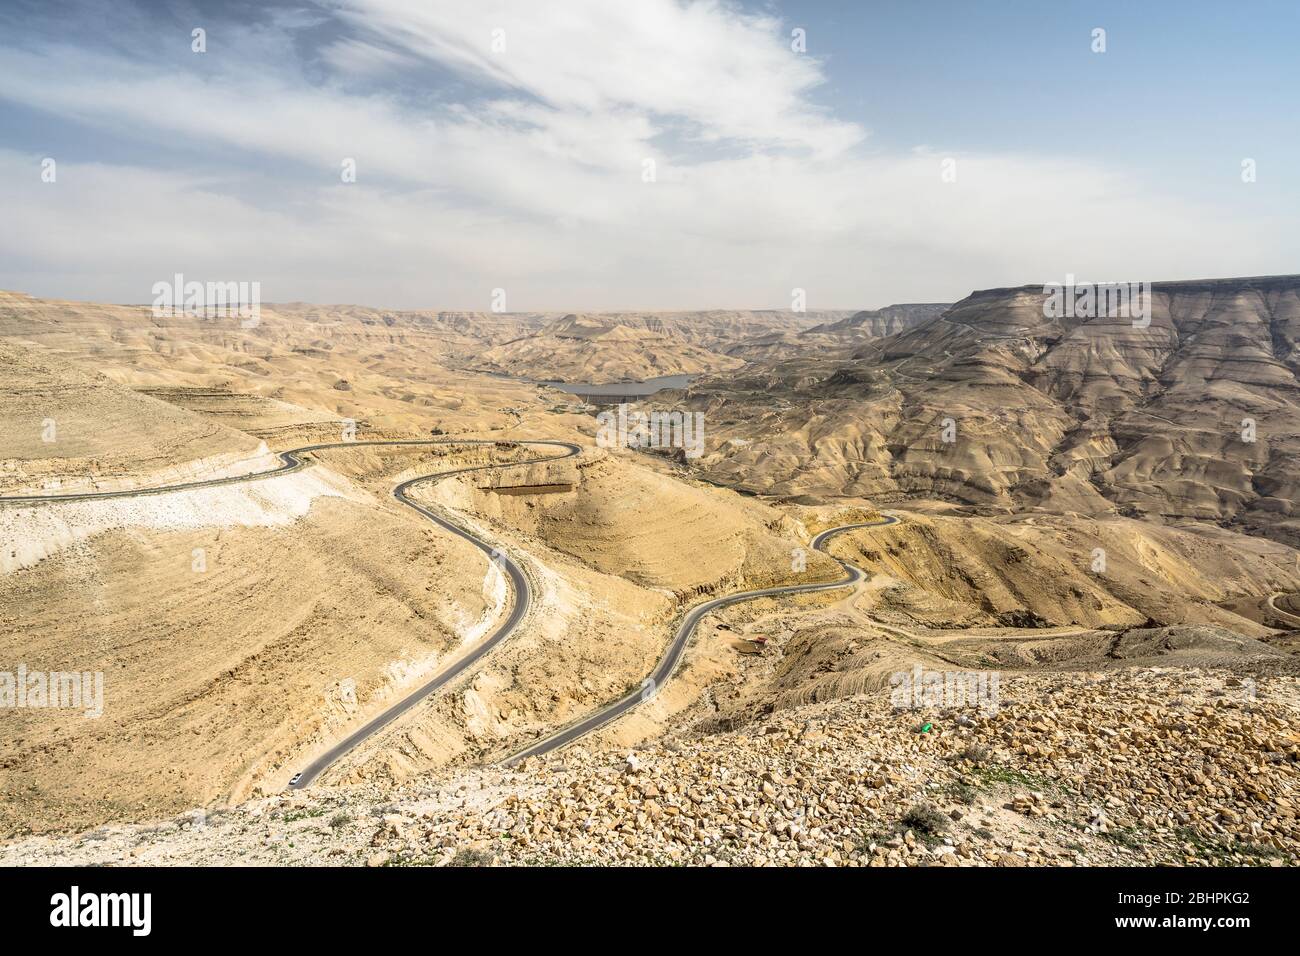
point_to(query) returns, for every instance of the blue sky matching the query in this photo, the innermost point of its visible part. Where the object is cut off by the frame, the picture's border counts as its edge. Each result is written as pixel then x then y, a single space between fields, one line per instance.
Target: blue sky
pixel 1182 90
pixel 523 165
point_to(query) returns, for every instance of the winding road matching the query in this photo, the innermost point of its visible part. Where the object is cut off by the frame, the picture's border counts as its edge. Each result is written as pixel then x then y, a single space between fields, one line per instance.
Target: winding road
pixel 1285 615
pixel 668 663
pixel 291 461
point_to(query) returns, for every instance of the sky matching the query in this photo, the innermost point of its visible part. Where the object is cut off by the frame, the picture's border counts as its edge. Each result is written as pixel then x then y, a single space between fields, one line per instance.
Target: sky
pixel 657 154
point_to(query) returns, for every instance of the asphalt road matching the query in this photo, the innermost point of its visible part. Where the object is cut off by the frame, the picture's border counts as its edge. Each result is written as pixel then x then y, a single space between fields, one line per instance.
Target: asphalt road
pixel 1272 605
pixel 293 461
pixel 673 655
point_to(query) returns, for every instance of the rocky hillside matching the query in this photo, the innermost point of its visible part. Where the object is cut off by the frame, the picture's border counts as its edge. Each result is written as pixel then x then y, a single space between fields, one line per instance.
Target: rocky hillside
pixel 70 428
pixel 878 323
pixel 621 347
pixel 1156 766
pixel 836 338
pixel 993 403
pixel 592 349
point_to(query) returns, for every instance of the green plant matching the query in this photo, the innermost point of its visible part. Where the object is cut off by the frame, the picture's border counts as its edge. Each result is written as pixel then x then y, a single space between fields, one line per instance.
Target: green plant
pixel 468 857
pixel 963 793
pixel 925 818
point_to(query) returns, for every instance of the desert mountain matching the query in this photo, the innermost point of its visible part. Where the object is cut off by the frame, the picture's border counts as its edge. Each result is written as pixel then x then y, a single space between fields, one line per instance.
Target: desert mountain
pixel 1194 415
pixel 634 347
pixel 589 348
pixel 837 337
pixel 319 600
pixel 878 323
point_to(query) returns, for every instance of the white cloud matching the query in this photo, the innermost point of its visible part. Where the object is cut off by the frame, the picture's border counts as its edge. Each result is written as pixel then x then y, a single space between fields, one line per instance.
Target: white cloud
pixel 358 58
pixel 730 74
pixel 534 182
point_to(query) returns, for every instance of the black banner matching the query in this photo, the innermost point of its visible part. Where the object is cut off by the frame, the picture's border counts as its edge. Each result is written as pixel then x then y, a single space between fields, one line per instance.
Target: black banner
pixel 333 906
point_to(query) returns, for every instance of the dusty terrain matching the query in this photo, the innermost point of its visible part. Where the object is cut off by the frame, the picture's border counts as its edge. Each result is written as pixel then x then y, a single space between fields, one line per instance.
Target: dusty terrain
pixel 633 347
pixel 225 621
pixel 835 335
pixel 72 429
pixel 586 348
pixel 1142 767
pixel 1087 415
pixel 1135 577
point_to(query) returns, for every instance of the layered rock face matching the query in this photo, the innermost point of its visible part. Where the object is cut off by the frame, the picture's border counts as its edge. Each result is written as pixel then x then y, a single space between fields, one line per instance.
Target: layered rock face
pixel 1190 411
pixel 837 337
pixel 878 323
pixel 634 346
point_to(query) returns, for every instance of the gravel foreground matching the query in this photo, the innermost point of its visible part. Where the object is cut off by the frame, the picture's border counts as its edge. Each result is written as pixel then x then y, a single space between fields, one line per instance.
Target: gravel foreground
pixel 1152 766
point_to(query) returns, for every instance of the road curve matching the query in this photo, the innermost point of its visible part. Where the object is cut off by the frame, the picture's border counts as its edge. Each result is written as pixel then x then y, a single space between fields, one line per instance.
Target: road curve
pixel 519 587
pixel 668 663
pixel 291 461
pixel 1272 606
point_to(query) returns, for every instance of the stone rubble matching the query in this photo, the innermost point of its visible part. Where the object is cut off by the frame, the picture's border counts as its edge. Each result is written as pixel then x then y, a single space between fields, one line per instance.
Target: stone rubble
pixel 1144 767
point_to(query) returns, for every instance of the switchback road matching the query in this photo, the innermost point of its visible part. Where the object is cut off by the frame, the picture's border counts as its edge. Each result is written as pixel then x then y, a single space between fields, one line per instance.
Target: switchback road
pixel 293 460
pixel 668 663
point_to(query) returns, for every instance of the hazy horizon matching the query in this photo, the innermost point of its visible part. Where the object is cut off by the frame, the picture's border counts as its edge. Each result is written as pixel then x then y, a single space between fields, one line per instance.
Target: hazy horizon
pixel 710 156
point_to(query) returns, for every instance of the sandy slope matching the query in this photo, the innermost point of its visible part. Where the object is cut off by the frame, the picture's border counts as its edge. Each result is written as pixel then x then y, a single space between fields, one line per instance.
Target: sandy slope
pixel 612 561
pixel 70 428
pixel 221 681
pixel 224 620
